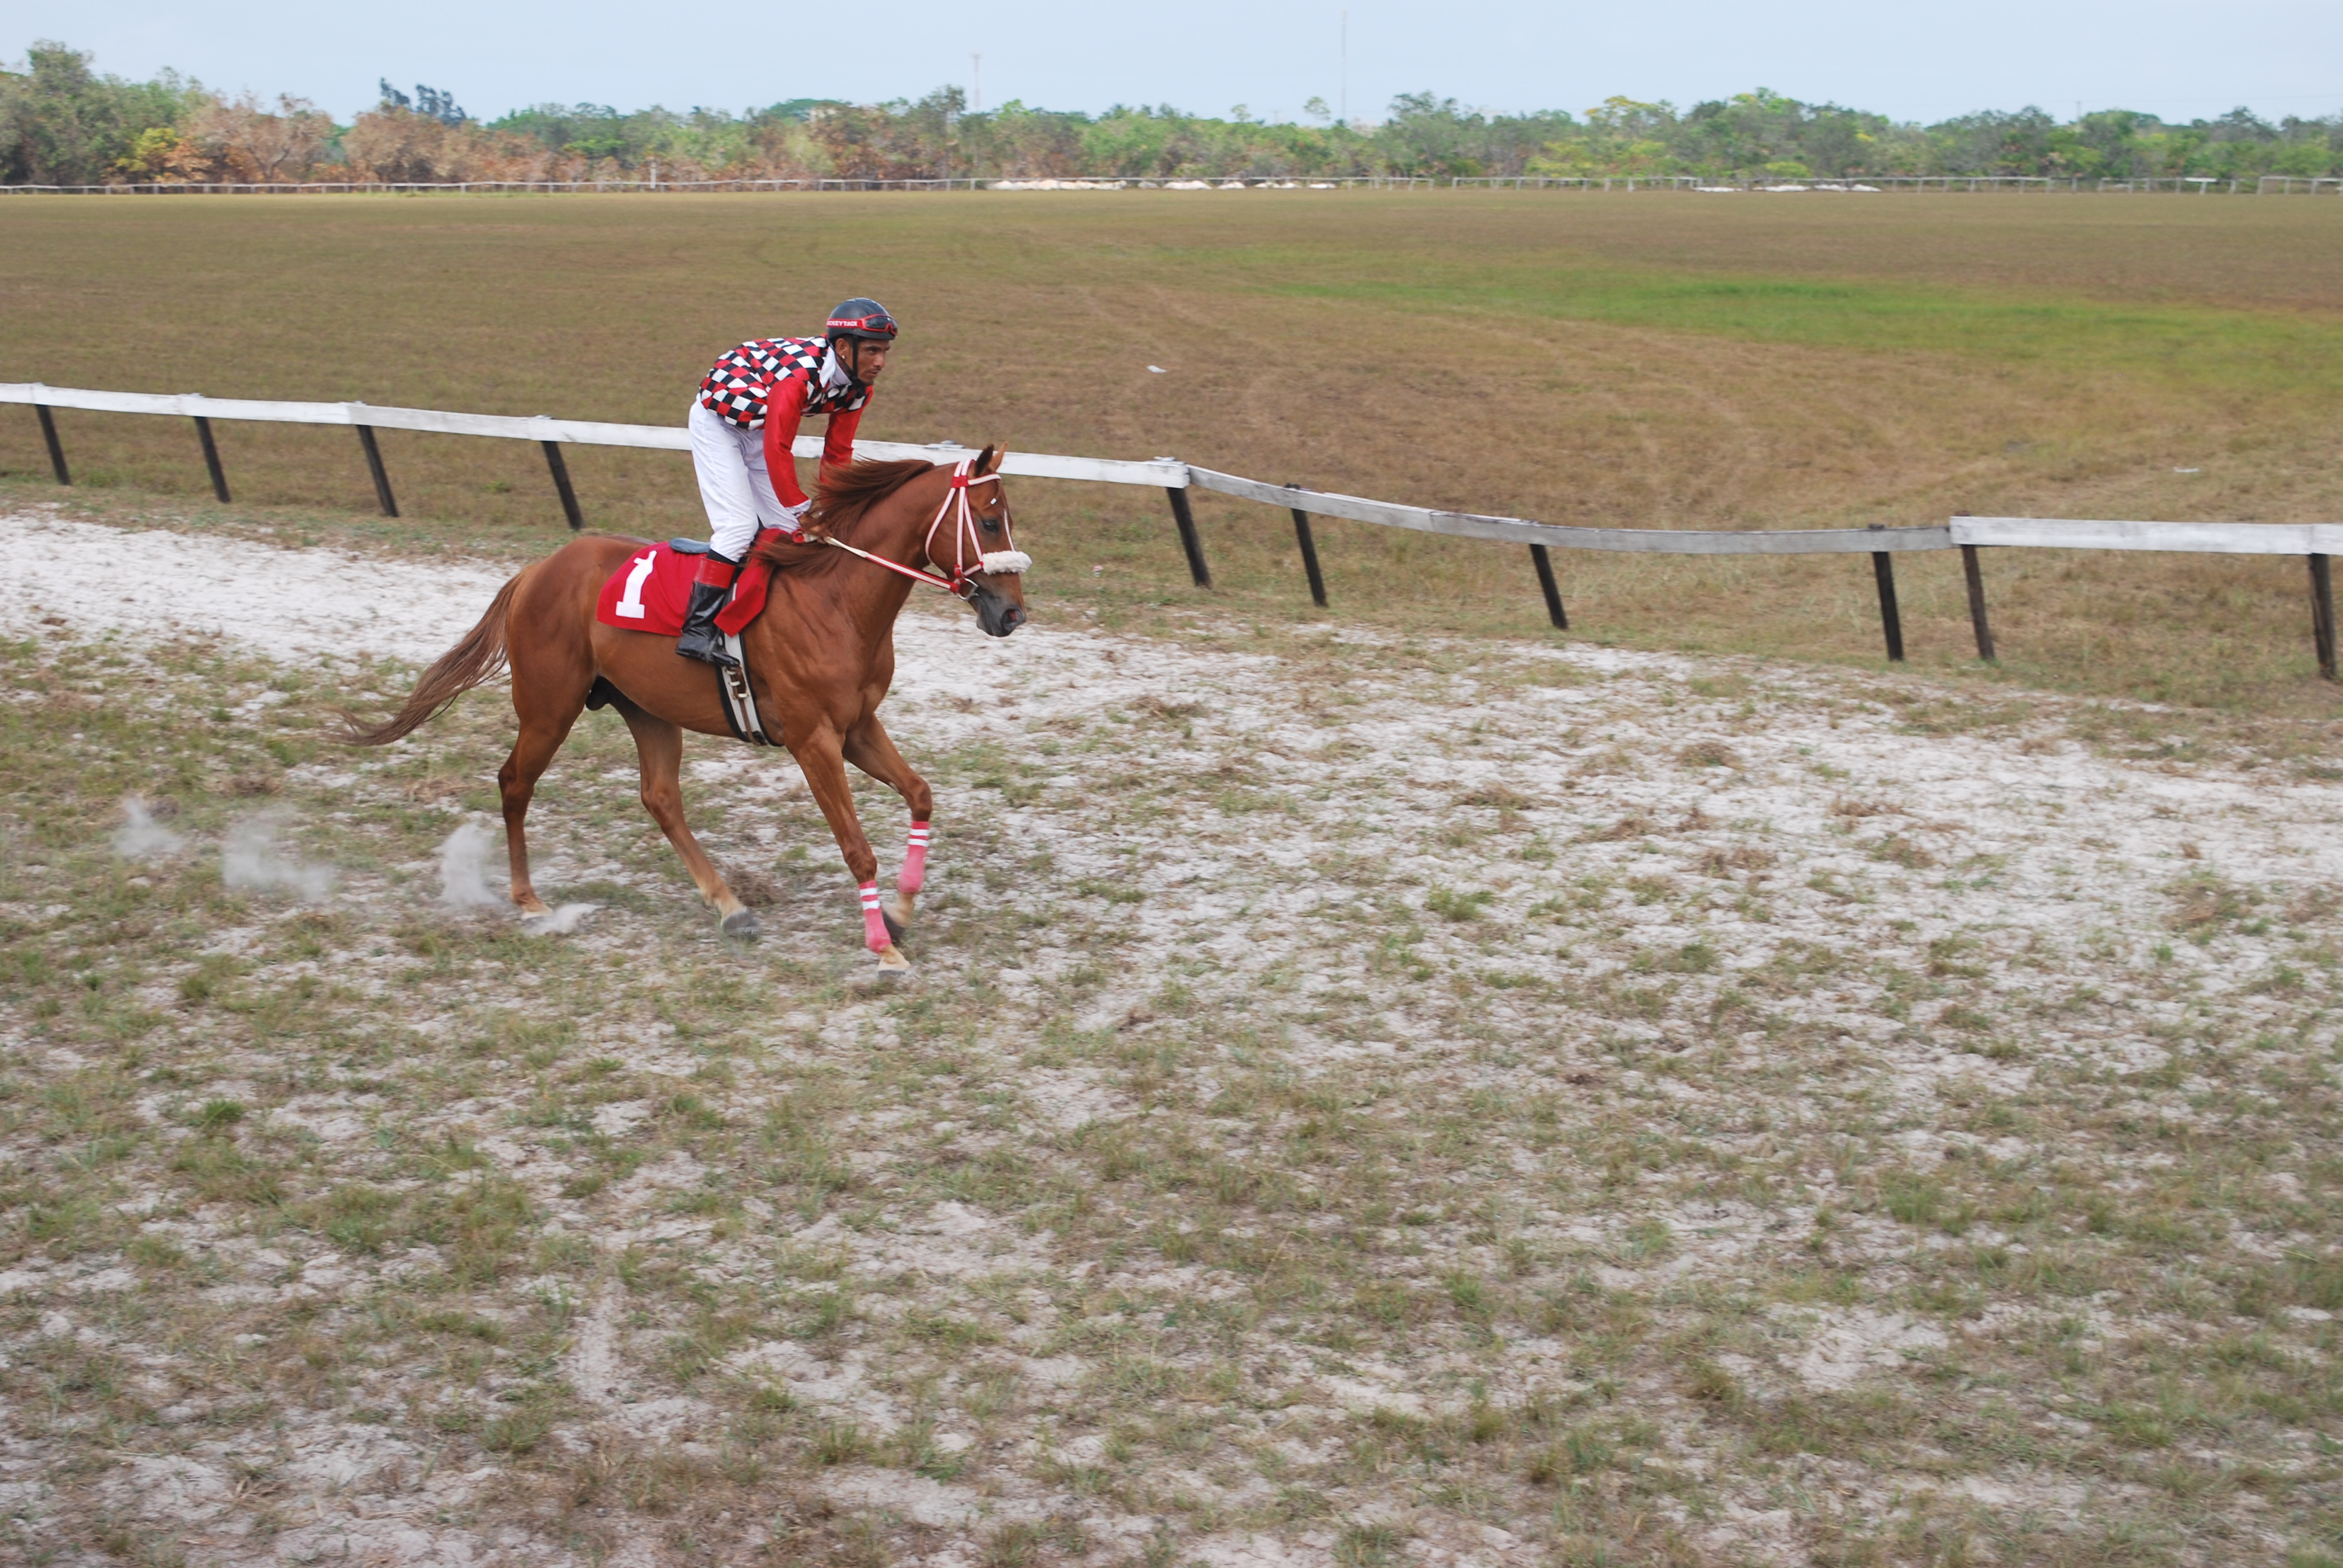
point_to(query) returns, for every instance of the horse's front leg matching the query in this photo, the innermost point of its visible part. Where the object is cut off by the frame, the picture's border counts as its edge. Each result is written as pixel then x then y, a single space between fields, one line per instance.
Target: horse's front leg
pixel 821 755
pixel 869 747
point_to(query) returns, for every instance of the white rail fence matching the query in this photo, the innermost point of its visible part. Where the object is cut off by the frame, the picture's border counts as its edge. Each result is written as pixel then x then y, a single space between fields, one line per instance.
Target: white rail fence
pixel 2315 542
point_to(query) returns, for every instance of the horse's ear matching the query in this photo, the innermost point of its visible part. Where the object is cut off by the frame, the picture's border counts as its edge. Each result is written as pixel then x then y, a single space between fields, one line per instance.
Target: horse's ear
pixel 990 458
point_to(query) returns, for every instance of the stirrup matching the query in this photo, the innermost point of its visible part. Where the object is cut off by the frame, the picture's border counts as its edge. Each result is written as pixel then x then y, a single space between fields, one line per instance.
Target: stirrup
pixel 711 649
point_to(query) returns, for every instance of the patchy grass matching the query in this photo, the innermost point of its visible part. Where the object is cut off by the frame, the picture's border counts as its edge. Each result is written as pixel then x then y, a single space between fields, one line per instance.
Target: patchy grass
pixel 1645 361
pixel 1693 1110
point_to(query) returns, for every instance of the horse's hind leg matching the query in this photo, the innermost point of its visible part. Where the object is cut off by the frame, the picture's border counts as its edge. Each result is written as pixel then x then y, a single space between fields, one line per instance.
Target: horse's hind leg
pixel 543 727
pixel 658 746
pixel 869 747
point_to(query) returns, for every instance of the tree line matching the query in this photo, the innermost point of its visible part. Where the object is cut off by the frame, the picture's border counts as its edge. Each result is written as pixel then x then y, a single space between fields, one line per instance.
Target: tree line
pixel 62 122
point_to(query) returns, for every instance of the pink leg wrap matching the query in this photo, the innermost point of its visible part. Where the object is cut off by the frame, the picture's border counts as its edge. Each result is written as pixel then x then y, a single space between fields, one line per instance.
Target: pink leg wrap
pixel 915 861
pixel 874 924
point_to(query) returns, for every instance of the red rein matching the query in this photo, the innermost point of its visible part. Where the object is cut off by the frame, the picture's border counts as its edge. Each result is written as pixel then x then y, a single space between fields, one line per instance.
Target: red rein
pixel 961 583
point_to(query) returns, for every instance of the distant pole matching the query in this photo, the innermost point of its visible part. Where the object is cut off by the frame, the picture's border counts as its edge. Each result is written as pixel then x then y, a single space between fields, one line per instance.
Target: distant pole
pixel 1193 547
pixel 560 471
pixel 382 495
pixel 2322 614
pixel 1977 621
pixel 976 82
pixel 56 448
pixel 1891 622
pixel 1309 546
pixel 1543 562
pixel 212 459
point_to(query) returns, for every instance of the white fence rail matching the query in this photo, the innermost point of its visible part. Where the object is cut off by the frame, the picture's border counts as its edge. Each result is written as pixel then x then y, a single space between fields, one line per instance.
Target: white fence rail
pixel 542 428
pixel 2315 541
pixel 1516 530
pixel 2196 539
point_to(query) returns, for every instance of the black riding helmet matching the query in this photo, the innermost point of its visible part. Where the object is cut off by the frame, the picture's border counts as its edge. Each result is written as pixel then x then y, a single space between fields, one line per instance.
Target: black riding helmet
pixel 863 319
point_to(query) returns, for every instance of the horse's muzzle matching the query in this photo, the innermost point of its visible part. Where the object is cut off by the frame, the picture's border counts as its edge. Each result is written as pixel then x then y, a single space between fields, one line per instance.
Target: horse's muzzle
pixel 996 615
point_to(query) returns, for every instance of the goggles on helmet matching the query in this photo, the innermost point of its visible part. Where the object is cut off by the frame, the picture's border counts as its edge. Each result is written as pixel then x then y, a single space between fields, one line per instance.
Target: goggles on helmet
pixel 877 324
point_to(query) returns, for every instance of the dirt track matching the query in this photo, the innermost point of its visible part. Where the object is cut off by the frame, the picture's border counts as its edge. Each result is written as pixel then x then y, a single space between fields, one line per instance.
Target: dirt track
pixel 1525 975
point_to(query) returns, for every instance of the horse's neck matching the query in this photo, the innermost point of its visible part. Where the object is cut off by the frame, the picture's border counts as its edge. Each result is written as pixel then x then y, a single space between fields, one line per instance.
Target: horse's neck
pixel 897 529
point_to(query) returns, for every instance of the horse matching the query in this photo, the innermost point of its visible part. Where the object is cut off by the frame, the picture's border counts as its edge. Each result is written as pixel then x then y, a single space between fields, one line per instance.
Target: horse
pixel 822 657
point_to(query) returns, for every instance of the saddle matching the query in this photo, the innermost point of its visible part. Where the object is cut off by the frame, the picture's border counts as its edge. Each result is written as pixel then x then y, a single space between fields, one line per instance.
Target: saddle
pixel 649 592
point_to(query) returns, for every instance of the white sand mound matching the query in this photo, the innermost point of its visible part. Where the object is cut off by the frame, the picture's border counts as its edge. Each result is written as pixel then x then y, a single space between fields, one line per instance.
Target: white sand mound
pixel 290 604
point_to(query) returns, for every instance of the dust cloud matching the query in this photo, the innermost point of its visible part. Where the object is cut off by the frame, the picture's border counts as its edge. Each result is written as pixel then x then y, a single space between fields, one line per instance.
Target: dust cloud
pixel 464 866
pixel 140 836
pixel 251 859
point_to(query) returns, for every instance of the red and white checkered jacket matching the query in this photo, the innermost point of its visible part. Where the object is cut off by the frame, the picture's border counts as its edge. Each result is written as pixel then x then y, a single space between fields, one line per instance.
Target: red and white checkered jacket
pixel 742 384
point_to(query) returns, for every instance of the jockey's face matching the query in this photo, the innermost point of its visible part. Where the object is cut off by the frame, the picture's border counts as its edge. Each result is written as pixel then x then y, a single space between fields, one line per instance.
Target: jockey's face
pixel 863 358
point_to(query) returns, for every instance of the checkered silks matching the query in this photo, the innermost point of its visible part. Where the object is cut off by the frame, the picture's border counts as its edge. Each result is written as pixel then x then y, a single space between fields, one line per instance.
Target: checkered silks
pixel 737 389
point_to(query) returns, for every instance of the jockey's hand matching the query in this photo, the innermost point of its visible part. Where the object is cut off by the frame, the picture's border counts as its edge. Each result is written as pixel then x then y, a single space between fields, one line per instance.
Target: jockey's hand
pixel 797 515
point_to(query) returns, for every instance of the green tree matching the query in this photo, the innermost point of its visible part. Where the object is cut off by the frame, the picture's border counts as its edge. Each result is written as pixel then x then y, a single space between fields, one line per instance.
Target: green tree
pixel 62 124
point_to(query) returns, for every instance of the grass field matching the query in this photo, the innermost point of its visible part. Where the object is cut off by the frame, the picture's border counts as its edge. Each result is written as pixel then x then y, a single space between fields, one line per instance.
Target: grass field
pixel 1396 1088
pixel 1626 361
pixel 1399 1101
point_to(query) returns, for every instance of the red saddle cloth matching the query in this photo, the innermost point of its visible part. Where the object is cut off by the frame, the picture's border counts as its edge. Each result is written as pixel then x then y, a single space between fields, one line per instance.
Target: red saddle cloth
pixel 652 588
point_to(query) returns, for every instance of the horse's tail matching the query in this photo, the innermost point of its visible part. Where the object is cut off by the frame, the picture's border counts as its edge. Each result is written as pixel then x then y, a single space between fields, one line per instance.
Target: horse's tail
pixel 479 658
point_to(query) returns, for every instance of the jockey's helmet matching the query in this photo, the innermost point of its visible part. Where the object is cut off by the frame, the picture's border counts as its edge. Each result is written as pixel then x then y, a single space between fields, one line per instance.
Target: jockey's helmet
pixel 861 318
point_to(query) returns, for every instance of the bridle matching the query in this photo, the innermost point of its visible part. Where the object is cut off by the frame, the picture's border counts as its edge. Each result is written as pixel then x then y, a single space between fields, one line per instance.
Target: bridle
pixel 961 582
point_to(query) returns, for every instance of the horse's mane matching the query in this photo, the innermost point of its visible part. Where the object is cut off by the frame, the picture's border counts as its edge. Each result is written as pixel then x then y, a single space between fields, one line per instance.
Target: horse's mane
pixel 841 499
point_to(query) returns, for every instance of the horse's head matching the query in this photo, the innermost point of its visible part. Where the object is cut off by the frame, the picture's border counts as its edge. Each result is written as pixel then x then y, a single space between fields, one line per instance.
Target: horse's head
pixel 999 581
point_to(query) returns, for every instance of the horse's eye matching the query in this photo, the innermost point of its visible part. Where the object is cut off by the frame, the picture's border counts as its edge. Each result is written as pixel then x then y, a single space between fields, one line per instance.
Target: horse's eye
pixel 991 525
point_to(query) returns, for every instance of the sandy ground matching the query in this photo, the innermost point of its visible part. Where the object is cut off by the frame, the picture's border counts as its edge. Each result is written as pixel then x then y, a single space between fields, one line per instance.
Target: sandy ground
pixel 1862 832
pixel 2076 829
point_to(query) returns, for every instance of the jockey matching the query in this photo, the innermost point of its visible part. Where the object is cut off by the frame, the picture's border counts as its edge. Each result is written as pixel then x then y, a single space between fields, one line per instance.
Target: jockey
pixel 743 424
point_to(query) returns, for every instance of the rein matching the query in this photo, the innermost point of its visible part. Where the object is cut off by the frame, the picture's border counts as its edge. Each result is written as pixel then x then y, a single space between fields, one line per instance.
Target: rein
pixel 961 583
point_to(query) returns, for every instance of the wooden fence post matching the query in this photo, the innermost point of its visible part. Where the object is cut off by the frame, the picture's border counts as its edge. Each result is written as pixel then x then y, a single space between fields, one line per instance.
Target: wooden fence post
pixel 1883 569
pixel 56 448
pixel 2322 614
pixel 1189 542
pixel 1977 603
pixel 212 458
pixel 561 483
pixel 381 477
pixel 1551 589
pixel 1309 553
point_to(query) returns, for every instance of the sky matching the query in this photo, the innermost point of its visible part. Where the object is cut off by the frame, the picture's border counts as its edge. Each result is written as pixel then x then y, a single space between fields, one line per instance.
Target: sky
pixel 2178 60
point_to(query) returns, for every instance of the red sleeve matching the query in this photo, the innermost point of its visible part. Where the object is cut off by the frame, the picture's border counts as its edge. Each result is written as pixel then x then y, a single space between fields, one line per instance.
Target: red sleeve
pixel 784 412
pixel 837 445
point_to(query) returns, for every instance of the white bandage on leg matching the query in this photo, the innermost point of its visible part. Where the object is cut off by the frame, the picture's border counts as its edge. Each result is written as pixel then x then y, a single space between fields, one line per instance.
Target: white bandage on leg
pixel 734 484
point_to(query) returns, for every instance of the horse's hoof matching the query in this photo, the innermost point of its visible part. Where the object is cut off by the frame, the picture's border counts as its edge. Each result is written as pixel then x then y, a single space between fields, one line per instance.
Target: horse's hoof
pixel 892 961
pixel 894 926
pixel 532 906
pixel 741 923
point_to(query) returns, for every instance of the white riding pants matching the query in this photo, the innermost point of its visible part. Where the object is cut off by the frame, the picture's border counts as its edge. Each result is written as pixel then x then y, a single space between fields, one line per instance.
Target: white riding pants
pixel 734 484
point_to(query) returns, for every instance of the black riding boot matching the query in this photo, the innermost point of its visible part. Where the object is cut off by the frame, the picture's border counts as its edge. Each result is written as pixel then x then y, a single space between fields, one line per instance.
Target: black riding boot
pixel 699 639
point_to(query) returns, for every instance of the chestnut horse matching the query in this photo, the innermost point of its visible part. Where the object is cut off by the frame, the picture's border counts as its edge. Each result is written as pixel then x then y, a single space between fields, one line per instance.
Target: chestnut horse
pixel 822 656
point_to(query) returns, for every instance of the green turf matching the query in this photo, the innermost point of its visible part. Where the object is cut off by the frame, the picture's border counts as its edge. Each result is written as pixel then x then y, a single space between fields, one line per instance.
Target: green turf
pixel 2191 346
pixel 1643 361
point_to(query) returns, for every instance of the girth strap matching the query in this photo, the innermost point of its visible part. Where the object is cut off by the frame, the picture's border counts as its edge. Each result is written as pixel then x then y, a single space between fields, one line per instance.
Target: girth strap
pixel 739 695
